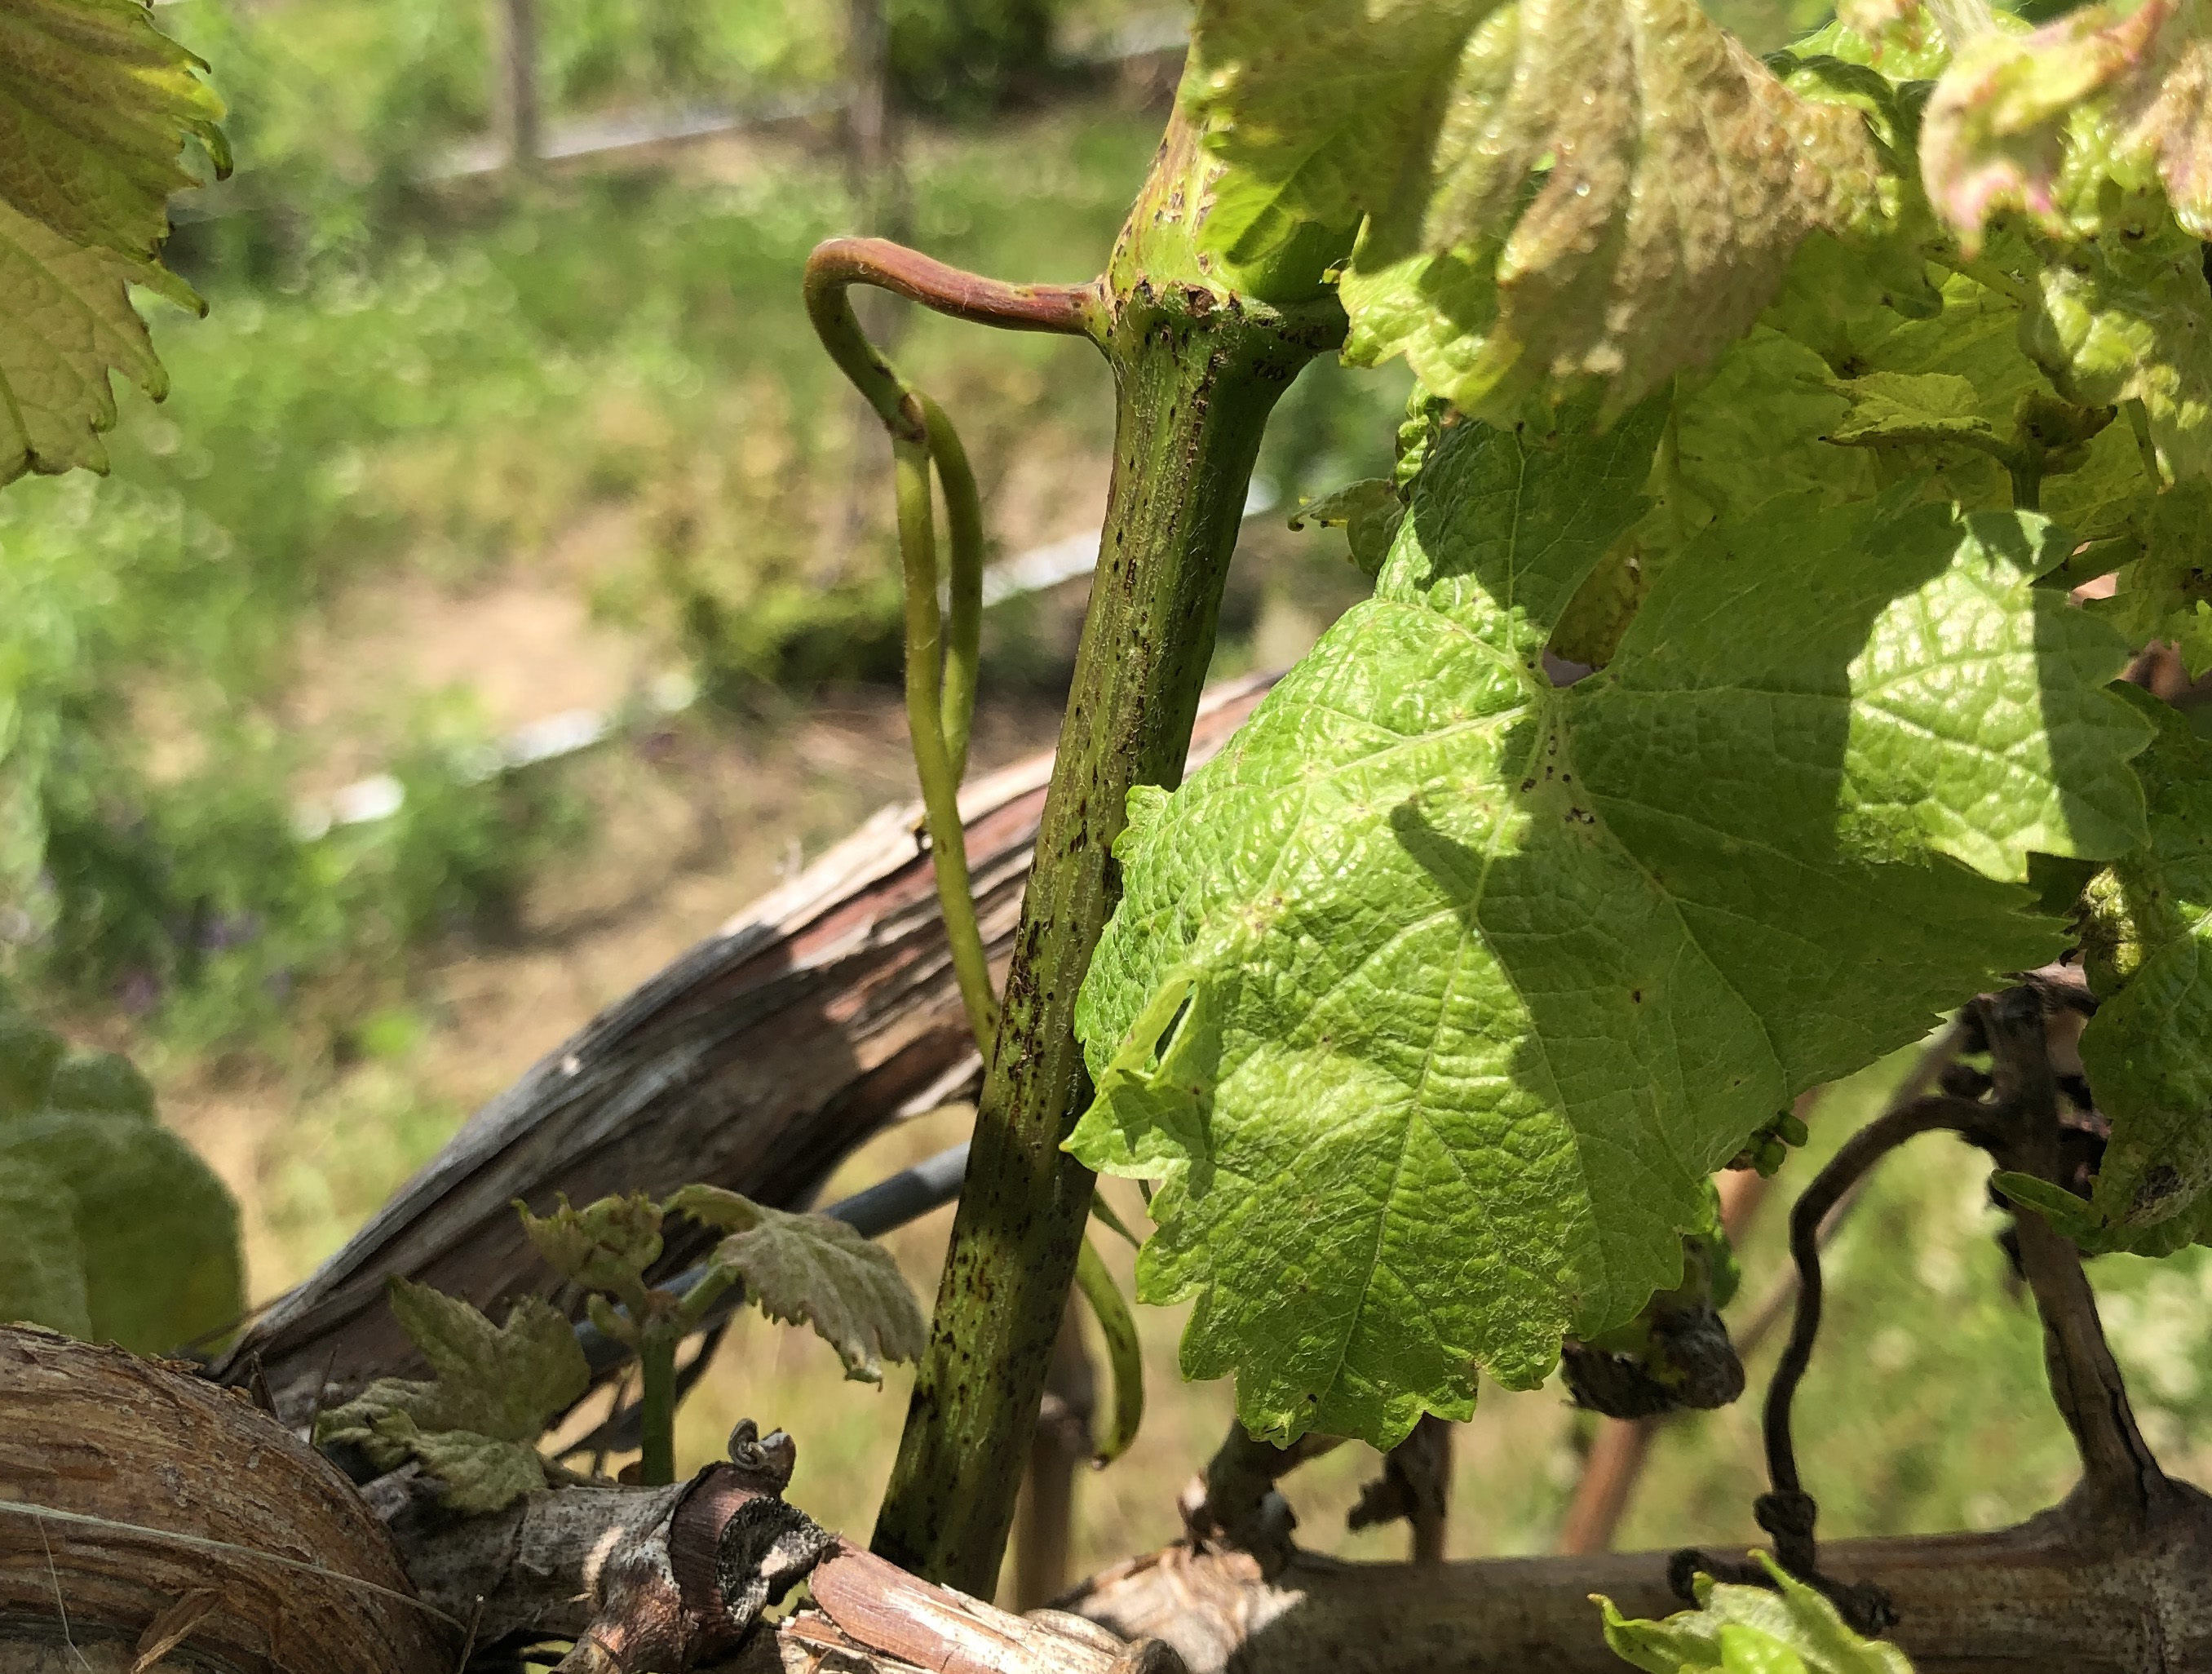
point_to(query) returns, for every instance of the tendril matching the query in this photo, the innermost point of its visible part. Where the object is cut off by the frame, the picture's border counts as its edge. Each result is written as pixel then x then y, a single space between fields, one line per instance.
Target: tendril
pixel 943 646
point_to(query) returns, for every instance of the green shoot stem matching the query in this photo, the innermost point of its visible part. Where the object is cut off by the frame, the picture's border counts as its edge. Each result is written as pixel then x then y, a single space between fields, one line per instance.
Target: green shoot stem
pixel 1198 371
pixel 656 1359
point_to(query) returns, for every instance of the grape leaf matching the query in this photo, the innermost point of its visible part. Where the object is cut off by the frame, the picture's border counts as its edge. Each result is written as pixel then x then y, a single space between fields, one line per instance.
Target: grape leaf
pixel 493 1390
pixel 1553 191
pixel 2147 1052
pixel 1737 1629
pixel 119 1231
pixel 1432 1000
pixel 96 105
pixel 2123 313
pixel 2167 594
pixel 2036 121
pixel 1368 511
pixel 477 1474
pixel 816 1270
pixel 605 1246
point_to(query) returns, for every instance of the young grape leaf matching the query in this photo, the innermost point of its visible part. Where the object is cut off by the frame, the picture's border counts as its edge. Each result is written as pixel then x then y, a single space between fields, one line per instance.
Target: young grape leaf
pixel 2036 121
pixel 1431 1001
pixel 2167 594
pixel 1554 190
pixel 1737 1629
pixel 96 105
pixel 2147 1052
pixel 813 1270
pixel 477 1474
pixel 2123 313
pixel 605 1246
pixel 125 1235
pixel 493 1390
pixel 1368 512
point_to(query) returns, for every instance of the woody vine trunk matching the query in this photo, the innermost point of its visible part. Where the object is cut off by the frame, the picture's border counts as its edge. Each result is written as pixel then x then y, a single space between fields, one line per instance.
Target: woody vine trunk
pixel 1197 369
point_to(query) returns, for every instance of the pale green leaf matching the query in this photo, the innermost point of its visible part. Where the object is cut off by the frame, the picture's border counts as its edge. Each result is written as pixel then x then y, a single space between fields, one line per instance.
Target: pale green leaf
pixel 2036 121
pixel 96 105
pixel 1737 1629
pixel 816 1270
pixel 1898 409
pixel 2148 1050
pixel 478 1474
pixel 605 1246
pixel 490 1385
pixel 1433 999
pixel 2123 313
pixel 1555 191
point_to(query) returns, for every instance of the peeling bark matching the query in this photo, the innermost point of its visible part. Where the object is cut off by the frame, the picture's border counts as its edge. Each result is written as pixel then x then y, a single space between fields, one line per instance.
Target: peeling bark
pixel 756 1063
pixel 2066 1593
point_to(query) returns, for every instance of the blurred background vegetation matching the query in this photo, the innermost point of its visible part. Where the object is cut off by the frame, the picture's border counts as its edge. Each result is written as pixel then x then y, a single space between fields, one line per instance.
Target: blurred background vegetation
pixel 462 450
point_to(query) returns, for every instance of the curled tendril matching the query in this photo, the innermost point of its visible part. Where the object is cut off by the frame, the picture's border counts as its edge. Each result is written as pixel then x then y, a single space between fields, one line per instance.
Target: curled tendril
pixel 943 645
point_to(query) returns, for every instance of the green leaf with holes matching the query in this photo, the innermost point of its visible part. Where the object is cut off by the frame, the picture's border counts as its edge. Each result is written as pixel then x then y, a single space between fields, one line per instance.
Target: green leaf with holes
pixel 1433 999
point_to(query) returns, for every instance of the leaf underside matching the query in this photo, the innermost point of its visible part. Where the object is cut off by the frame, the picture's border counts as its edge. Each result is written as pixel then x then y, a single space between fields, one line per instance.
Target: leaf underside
pixel 816 1270
pixel 1433 999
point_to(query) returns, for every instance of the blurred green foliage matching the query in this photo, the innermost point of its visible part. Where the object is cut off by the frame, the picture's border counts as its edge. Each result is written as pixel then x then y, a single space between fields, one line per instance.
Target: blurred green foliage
pixel 116 1231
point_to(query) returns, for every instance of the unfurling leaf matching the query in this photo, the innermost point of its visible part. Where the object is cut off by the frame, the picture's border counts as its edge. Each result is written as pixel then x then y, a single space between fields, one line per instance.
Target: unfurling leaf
pixel 96 105
pixel 1433 998
pixel 605 1246
pixel 1555 191
pixel 816 1270
pixel 2147 1052
pixel 1735 1629
pixel 493 1391
pixel 2036 121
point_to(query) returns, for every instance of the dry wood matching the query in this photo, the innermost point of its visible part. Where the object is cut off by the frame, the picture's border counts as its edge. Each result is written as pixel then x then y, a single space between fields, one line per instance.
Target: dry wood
pixel 128 1487
pixel 756 1061
pixel 2067 1594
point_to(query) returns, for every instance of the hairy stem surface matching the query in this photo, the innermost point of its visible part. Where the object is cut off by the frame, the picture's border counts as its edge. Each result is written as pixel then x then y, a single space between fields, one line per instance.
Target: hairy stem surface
pixel 1197 374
